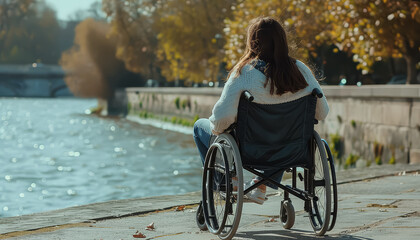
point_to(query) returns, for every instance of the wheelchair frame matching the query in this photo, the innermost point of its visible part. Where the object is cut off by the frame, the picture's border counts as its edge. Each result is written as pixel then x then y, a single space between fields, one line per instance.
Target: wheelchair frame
pixel 223 158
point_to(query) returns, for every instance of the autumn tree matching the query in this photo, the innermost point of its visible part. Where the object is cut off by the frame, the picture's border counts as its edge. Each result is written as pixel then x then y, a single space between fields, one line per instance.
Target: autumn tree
pixel 11 12
pixel 91 66
pixel 132 25
pixel 180 39
pixel 28 32
pixel 374 30
pixel 191 38
pixel 306 22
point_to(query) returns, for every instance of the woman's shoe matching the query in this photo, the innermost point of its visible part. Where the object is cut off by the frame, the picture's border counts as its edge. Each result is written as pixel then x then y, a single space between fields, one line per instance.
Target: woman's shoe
pixel 257 195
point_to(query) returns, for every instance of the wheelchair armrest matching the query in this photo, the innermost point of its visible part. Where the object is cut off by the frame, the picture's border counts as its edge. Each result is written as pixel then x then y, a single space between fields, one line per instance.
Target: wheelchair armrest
pixel 317 92
pixel 248 96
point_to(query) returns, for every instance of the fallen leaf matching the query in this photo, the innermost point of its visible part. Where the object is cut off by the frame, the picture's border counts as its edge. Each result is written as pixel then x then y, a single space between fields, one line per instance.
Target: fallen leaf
pixel 180 208
pixel 381 205
pixel 272 220
pixel 410 190
pixel 139 235
pixel 151 226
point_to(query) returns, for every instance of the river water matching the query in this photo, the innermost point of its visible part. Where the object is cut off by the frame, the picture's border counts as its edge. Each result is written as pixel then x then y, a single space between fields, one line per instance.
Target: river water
pixel 54 155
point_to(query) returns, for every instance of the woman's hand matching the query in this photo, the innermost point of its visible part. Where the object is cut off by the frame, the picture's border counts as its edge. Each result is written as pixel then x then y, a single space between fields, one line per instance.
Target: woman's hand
pixel 215 133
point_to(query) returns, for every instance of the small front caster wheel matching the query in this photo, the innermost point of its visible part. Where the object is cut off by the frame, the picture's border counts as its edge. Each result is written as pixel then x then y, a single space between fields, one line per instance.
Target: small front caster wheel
pixel 199 218
pixel 287 214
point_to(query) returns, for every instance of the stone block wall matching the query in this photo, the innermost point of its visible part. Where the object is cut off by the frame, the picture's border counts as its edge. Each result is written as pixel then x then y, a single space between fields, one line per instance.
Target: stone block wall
pixel 372 121
pixel 180 102
pixel 375 121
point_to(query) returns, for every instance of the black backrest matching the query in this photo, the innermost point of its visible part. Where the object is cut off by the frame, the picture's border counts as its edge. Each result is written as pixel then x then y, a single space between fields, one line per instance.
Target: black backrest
pixel 276 135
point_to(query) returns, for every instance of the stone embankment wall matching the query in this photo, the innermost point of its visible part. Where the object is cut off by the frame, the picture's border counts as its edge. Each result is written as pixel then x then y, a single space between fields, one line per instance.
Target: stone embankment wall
pixel 377 123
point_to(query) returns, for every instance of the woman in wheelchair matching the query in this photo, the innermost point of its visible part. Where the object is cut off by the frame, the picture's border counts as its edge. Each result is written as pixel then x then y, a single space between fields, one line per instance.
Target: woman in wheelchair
pixel 268 72
pixel 273 78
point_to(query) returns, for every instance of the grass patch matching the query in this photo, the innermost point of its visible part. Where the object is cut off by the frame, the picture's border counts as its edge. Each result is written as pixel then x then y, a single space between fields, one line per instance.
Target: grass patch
pixel 187 122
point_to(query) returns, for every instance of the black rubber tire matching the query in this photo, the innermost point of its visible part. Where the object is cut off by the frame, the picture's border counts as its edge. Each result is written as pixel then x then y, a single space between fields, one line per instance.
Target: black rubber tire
pixel 216 188
pixel 236 198
pixel 224 147
pixel 287 214
pixel 320 205
pixel 199 218
pixel 334 192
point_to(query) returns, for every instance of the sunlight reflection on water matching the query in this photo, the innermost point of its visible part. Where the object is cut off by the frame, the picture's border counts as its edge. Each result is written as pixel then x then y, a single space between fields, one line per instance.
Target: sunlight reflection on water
pixel 55 156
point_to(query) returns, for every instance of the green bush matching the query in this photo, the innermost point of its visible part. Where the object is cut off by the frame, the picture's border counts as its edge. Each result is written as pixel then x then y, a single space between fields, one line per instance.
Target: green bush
pixel 392 160
pixel 184 103
pixel 353 123
pixel 186 122
pixel 144 114
pixel 378 160
pixel 351 161
pixel 177 103
pixel 196 117
pixel 336 143
pixel 339 119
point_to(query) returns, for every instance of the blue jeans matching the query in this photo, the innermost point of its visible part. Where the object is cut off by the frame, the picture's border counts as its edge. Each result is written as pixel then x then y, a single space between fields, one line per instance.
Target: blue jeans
pixel 202 135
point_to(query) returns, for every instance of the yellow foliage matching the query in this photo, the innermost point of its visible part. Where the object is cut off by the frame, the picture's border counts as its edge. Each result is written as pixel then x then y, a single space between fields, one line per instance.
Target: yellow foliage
pixel 373 29
pixel 302 20
pixel 190 39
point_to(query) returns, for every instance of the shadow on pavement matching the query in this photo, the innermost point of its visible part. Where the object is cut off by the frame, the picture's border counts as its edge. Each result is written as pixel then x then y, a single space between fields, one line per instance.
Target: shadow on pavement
pixel 295 234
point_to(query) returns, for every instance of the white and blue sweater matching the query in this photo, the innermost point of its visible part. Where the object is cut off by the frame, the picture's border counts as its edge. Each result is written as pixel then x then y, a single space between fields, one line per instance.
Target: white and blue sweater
pixel 226 108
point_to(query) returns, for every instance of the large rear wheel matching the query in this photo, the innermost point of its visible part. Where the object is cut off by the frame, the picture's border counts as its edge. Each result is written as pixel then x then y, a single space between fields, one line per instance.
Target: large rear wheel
pixel 223 187
pixel 320 187
pixel 333 181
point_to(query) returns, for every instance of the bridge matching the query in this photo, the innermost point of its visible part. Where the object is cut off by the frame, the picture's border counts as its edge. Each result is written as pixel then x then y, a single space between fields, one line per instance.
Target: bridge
pixel 32 80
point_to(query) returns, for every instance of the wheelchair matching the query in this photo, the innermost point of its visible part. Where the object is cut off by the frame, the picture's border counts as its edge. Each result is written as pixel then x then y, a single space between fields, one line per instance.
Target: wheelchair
pixel 294 145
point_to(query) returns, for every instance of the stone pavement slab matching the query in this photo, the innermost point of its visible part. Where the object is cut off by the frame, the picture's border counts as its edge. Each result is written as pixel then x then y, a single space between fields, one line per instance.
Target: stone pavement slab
pixel 377 207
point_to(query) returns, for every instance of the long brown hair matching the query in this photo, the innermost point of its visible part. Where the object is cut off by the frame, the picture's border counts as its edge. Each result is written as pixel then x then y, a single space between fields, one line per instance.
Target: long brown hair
pixel 266 40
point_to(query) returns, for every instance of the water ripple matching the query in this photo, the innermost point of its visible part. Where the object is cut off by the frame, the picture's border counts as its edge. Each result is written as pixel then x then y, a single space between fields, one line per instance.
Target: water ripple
pixel 57 156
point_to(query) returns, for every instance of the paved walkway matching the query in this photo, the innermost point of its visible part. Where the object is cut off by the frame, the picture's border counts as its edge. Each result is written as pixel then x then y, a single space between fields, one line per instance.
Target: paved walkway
pixel 380 202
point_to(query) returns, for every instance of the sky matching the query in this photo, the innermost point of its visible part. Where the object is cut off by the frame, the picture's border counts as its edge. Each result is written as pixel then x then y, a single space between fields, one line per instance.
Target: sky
pixel 65 8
